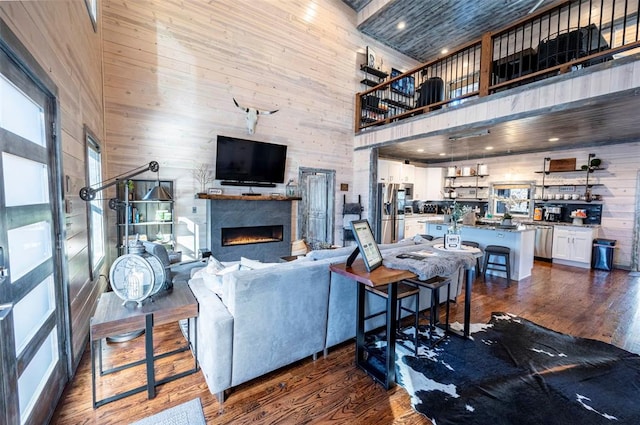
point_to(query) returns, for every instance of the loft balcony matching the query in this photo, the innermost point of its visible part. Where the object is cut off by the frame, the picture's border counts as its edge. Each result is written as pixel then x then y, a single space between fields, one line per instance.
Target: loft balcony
pixel 571 36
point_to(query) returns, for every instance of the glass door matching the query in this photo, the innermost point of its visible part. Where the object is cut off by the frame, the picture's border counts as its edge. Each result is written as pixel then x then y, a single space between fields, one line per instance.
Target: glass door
pixel 32 354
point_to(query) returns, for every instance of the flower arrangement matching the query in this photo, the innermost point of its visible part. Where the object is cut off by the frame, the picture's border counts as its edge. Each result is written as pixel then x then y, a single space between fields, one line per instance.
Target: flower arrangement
pixel 457 211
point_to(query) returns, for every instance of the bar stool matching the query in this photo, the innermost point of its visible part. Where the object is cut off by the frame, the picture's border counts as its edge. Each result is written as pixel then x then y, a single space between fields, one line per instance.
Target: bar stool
pixel 434 284
pixel 475 245
pixel 405 290
pixel 490 264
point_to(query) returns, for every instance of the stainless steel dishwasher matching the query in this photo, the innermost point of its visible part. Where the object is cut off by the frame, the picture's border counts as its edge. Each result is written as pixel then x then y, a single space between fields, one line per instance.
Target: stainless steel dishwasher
pixel 544 242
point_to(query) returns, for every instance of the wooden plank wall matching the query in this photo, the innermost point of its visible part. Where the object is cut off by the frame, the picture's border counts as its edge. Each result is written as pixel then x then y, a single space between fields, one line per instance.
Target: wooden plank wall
pixel 172 69
pixel 61 38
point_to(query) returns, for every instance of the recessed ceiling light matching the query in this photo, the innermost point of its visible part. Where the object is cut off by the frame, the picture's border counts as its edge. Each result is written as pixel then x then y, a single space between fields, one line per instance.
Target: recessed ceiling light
pixel 489 148
pixel 444 51
pixel 442 154
pixel 553 139
pixel 420 150
pixel 401 25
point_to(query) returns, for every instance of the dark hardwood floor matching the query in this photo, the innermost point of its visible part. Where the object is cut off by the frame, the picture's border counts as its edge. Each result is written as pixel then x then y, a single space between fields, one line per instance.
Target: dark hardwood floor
pixel 587 303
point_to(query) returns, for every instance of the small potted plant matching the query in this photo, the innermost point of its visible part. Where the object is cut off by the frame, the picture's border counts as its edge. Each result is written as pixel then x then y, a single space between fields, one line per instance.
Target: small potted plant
pixel 130 186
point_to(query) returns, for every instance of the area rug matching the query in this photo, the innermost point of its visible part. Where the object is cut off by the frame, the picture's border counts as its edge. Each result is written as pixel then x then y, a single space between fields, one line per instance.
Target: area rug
pixel 513 371
pixel 189 413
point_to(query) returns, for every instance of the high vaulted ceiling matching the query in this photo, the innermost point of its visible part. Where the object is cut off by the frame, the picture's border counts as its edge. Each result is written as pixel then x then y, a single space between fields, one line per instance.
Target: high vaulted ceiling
pixel 433 25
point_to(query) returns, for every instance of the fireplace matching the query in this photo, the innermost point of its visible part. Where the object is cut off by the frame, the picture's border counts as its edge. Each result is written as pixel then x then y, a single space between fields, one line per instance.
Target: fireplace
pixel 259 230
pixel 250 235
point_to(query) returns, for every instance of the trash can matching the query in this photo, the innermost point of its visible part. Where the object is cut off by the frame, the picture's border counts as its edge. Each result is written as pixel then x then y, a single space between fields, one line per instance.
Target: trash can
pixel 602 254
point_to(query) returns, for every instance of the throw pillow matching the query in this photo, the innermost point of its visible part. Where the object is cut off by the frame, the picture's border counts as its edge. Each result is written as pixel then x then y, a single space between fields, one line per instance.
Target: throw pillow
pixel 212 274
pixel 213 282
pixel 214 264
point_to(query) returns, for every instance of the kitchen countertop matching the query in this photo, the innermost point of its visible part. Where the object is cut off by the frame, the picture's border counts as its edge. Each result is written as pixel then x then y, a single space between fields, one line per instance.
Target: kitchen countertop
pixel 426 218
pixel 558 223
pixel 498 227
pixel 494 224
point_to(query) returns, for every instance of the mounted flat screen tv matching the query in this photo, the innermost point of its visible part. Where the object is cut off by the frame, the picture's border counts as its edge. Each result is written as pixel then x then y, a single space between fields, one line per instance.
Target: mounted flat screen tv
pixel 405 86
pixel 248 163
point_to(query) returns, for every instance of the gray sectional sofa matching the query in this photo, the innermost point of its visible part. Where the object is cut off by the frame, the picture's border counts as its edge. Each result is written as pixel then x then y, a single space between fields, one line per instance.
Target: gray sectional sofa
pixel 263 319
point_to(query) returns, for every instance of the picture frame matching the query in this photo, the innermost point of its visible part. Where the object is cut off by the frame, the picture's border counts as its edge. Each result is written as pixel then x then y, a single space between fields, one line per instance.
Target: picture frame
pixel 92 9
pixel 452 241
pixel 367 245
pixel 371 57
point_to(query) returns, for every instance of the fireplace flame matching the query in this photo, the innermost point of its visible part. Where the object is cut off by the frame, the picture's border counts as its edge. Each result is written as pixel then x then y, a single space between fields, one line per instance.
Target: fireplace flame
pixel 232 236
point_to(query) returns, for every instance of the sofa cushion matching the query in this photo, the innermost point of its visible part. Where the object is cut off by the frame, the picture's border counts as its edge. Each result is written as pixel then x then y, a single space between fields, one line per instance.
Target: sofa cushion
pixel 321 254
pixel 248 264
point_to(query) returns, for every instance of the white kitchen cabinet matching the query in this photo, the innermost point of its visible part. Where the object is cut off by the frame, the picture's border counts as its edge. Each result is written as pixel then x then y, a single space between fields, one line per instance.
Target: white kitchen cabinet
pixel 407 173
pixel 572 245
pixel 412 227
pixel 420 184
pixel 395 172
pixel 435 180
pixel 427 184
pixel 389 171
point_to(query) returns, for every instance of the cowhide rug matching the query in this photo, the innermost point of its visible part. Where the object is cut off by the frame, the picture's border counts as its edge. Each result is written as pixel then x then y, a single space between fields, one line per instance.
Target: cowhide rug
pixel 513 371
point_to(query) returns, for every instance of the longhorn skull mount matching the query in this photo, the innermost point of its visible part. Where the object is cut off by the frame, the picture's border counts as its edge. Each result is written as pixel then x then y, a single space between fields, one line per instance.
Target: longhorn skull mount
pixel 251 117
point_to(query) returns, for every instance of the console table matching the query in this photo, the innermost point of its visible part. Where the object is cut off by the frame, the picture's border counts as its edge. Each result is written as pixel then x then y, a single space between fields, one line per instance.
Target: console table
pixel 390 276
pixel 114 318
pixel 381 276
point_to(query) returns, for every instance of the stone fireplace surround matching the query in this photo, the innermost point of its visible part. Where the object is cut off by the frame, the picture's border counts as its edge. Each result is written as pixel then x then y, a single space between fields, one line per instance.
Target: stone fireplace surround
pixel 248 211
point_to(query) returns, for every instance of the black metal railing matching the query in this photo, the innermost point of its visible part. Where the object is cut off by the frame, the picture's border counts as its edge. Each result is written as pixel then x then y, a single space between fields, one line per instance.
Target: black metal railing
pixel 569 36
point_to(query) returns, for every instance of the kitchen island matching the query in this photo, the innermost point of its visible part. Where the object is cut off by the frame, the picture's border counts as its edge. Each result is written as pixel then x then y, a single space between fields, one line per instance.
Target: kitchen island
pixel 520 240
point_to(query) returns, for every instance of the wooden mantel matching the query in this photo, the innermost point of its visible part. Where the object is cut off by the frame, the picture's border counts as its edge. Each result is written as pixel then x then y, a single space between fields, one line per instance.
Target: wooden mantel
pixel 248 198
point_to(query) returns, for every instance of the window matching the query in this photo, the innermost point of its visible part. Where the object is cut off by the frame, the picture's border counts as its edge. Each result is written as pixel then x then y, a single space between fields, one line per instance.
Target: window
pixel 513 197
pixel 95 208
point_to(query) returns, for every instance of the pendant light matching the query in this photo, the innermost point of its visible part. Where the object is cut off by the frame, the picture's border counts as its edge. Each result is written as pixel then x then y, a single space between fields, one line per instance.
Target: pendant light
pixel 157 193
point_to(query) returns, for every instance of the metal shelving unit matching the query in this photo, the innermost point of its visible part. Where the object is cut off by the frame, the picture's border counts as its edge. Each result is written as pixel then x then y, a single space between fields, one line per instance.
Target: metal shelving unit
pixel 151 220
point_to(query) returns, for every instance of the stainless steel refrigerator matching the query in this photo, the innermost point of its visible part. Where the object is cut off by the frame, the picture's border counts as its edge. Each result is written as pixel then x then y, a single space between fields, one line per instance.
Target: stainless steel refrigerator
pixel 391 201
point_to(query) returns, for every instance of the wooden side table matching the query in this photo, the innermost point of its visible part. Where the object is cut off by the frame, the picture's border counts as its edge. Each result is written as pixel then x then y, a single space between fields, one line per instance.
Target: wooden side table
pixel 381 276
pixel 113 318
